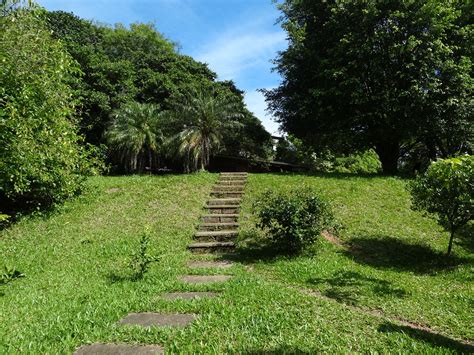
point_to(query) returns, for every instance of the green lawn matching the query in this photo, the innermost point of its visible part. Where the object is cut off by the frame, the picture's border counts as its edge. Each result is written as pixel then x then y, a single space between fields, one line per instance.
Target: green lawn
pixel 76 286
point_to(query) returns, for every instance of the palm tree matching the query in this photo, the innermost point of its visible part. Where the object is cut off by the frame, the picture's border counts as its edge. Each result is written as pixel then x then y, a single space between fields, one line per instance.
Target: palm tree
pixel 205 117
pixel 135 137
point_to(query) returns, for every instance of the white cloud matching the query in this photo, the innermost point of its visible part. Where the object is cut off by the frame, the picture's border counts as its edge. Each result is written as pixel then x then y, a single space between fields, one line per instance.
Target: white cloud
pixel 232 53
pixel 255 102
pixel 242 53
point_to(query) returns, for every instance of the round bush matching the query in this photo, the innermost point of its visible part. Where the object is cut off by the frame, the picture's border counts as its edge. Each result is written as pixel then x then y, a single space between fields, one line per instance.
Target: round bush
pixel 447 191
pixel 293 220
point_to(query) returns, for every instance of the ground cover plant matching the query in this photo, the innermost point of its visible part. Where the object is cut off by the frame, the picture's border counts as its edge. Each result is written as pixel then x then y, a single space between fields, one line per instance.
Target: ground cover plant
pixel 71 295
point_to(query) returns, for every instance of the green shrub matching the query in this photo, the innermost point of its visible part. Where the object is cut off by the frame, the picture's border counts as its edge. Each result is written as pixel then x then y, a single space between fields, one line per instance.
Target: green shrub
pixel 358 163
pixel 41 160
pixel 293 220
pixel 447 190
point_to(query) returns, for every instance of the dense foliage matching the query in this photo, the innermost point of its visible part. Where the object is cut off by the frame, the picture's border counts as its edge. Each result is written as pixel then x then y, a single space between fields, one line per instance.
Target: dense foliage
pixel 41 159
pixel 204 119
pixel 293 220
pixel 135 136
pixel 137 64
pixel 292 150
pixel 447 190
pixel 392 75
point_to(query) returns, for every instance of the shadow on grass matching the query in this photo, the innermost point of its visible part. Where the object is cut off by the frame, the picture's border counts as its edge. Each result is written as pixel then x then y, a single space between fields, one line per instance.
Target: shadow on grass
pixel 464 238
pixel 113 277
pixel 345 286
pixel 332 175
pixel 254 247
pixel 393 253
pixel 427 337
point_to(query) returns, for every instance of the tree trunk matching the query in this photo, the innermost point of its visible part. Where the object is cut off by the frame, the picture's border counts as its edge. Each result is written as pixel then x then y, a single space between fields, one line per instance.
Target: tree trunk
pixel 451 238
pixel 388 152
pixel 150 159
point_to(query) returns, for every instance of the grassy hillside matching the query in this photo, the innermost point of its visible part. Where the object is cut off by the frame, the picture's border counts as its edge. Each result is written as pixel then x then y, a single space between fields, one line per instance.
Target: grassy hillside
pixel 77 285
pixel 394 260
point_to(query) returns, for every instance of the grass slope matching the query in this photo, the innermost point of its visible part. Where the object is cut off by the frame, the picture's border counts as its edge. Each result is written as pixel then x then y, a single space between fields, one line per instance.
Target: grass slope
pixel 396 262
pixel 76 286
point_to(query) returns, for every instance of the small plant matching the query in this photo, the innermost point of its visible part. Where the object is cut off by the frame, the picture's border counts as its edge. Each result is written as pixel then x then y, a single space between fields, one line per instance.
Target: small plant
pixel 447 190
pixel 293 220
pixel 4 218
pixel 141 260
pixel 8 274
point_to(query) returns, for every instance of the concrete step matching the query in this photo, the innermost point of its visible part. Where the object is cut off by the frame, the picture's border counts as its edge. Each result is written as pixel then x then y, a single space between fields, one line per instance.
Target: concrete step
pixel 218 226
pixel 225 209
pixel 224 201
pixel 240 184
pixel 234 173
pixel 216 236
pixel 232 178
pixel 227 194
pixel 226 182
pixel 220 218
pixel 227 188
pixel 212 247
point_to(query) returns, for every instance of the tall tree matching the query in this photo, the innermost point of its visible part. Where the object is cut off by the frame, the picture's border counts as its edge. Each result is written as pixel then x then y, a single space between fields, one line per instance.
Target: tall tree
pixel 204 117
pixel 382 74
pixel 135 136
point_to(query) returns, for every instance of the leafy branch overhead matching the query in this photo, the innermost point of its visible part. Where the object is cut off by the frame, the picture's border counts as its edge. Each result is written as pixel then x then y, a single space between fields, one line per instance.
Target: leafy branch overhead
pixel 395 76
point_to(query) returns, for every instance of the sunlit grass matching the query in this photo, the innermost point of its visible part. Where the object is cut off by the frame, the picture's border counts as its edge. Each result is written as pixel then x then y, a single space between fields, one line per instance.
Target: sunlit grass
pixel 72 292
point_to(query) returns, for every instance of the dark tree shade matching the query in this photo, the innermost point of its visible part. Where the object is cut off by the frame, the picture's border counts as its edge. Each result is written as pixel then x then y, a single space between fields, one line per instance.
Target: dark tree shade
pixel 383 74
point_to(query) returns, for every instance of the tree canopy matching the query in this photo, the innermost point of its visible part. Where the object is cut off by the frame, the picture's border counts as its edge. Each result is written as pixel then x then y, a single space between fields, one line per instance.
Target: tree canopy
pixel 389 75
pixel 138 64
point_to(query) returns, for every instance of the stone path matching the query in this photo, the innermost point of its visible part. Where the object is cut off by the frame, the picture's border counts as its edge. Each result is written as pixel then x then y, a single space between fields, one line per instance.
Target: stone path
pixel 188 295
pixel 119 349
pixel 216 234
pixel 219 226
pixel 204 279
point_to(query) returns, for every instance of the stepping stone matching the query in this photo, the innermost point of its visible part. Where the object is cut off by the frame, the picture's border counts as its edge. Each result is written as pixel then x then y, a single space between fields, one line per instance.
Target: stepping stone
pixel 218 226
pixel 220 218
pixel 213 247
pixel 232 181
pixel 119 349
pixel 238 188
pixel 148 319
pixel 222 182
pixel 227 194
pixel 188 295
pixel 223 209
pixel 204 279
pixel 216 236
pixel 224 201
pixel 210 264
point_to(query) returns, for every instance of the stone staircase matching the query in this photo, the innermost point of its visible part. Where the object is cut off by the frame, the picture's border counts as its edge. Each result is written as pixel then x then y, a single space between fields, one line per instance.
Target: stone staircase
pixel 219 225
pixel 216 233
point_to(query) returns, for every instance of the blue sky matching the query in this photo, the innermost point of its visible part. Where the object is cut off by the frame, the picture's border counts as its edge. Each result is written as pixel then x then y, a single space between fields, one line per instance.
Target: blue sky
pixel 237 38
